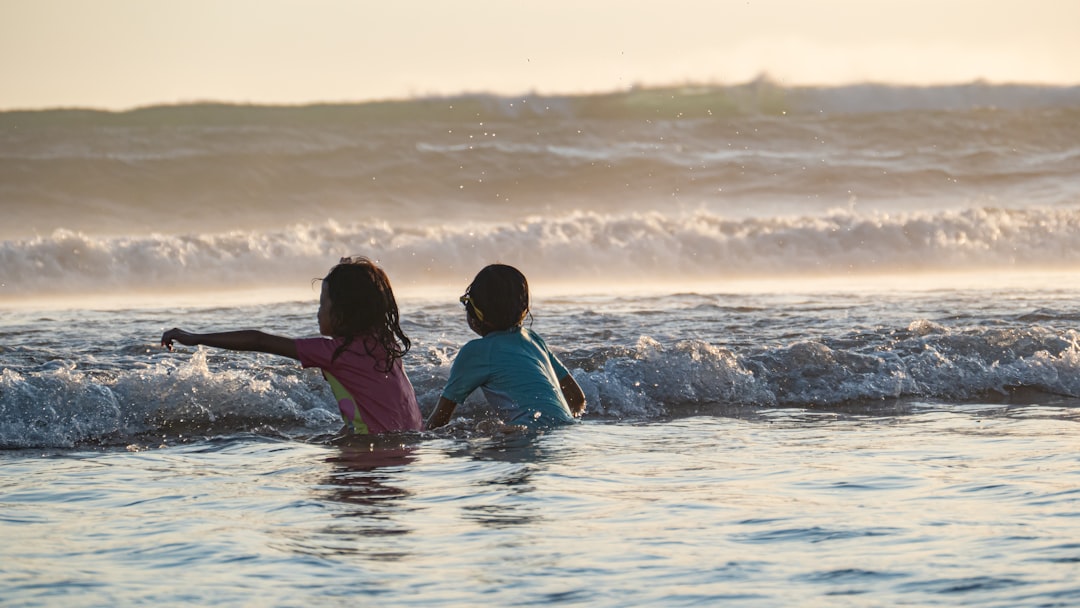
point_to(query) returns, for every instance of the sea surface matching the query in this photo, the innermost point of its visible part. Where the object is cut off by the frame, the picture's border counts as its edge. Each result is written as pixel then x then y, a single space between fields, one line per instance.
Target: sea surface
pixel 829 338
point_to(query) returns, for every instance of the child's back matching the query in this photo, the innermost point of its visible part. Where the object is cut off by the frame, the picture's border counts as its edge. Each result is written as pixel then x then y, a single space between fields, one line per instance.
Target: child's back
pixel 371 399
pixel 518 374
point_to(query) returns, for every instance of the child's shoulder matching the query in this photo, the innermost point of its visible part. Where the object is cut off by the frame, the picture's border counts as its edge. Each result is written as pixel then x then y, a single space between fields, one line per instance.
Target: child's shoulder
pixel 514 334
pixel 533 335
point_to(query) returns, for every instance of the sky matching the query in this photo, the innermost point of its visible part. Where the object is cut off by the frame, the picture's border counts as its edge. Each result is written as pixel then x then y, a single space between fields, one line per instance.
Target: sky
pixel 120 54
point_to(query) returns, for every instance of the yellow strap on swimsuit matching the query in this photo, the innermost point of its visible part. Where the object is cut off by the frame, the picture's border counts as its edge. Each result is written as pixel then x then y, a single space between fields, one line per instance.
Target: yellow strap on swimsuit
pixel 350 413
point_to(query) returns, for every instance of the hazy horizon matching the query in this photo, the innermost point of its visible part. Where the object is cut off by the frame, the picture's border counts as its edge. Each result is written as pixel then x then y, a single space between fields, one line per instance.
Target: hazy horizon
pixel 123 54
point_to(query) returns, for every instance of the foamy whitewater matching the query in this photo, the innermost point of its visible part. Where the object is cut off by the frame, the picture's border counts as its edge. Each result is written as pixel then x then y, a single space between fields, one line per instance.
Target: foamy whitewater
pixel 828 338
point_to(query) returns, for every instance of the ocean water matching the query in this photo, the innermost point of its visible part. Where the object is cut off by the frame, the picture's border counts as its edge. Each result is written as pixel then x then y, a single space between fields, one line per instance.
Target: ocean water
pixel 828 337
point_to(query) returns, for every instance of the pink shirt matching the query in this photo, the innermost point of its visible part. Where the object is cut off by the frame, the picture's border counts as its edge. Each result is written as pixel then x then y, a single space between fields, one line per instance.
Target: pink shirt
pixel 370 400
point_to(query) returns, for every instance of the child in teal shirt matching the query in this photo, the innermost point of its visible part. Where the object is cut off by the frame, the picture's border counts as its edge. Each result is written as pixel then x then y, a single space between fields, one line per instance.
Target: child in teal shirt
pixel 521 378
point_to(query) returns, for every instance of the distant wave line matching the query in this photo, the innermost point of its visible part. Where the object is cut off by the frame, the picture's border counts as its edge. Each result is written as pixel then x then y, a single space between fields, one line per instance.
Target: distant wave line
pixel 580 245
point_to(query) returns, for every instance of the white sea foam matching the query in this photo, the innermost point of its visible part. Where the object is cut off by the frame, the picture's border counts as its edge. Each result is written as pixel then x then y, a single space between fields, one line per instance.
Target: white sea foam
pixel 187 395
pixel 580 246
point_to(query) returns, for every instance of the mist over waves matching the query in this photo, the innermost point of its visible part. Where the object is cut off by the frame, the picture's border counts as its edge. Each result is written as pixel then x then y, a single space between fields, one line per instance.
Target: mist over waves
pixel 751 180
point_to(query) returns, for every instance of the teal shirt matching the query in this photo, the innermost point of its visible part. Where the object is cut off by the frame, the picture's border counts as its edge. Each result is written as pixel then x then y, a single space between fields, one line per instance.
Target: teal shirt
pixel 518 374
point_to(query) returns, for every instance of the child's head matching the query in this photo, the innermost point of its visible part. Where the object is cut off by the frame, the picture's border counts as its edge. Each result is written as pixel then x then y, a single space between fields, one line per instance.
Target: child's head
pixel 497 299
pixel 356 301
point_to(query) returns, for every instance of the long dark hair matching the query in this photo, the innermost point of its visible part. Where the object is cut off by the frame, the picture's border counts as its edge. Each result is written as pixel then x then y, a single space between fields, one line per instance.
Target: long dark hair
pixel 362 305
pixel 501 294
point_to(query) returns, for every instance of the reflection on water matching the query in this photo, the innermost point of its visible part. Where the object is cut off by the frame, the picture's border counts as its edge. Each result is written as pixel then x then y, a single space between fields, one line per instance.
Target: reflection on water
pixel 972 505
pixel 362 475
pixel 358 491
pixel 504 499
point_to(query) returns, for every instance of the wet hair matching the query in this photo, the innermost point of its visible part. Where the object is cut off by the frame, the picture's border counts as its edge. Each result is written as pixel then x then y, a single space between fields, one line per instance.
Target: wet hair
pixel 501 294
pixel 362 305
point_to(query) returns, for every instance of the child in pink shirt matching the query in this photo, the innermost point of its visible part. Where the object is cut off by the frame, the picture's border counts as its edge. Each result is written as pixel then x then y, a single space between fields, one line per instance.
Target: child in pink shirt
pixel 360 357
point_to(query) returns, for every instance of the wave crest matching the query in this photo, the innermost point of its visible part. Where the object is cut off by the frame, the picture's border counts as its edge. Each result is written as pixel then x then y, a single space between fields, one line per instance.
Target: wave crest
pixel 166 399
pixel 580 246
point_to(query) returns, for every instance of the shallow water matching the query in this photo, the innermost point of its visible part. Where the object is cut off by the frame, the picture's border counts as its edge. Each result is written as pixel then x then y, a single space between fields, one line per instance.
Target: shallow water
pixel 823 447
pixel 977 505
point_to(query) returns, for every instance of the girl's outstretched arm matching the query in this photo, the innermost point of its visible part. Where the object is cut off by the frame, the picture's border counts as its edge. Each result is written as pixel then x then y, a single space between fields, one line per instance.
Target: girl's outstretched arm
pixel 248 339
pixel 442 413
pixel 573 394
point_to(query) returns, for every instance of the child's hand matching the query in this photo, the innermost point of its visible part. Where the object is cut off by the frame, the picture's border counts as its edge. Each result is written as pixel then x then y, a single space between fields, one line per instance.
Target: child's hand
pixel 179 335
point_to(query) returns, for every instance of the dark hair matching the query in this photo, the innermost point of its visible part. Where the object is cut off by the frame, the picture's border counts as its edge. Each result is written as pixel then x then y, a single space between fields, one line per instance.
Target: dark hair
pixel 362 305
pixel 501 294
